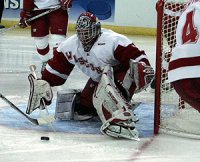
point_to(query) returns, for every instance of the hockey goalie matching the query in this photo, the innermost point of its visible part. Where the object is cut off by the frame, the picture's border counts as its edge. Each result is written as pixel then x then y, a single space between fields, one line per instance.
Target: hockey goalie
pixel 116 68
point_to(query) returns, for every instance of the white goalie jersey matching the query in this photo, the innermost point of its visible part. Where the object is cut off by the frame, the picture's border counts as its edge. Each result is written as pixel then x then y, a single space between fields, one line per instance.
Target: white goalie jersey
pixel 111 49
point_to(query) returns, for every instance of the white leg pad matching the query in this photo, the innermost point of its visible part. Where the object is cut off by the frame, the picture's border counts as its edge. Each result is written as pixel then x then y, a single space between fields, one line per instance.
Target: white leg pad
pixel 114 111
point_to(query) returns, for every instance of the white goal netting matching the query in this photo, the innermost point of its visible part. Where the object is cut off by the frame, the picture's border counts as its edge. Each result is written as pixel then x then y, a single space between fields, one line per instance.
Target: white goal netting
pixel 172 114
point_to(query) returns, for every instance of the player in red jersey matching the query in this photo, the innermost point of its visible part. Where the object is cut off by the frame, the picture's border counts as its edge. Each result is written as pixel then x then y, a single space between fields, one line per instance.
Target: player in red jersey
pixel 184 64
pixel 55 23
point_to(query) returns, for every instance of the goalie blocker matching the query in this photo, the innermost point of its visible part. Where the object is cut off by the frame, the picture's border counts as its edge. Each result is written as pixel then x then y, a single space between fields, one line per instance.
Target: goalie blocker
pixel 39 90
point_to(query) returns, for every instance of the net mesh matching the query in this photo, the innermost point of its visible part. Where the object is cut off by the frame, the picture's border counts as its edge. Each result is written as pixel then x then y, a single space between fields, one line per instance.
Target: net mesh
pixel 174 112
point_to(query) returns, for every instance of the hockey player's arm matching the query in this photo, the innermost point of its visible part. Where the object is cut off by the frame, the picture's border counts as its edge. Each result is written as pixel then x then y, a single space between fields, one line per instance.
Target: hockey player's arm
pixel 123 53
pixel 139 70
pixel 55 73
pixel 57 69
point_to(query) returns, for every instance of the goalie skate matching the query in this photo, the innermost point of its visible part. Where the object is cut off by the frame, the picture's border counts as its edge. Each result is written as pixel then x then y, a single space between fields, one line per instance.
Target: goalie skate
pixel 117 130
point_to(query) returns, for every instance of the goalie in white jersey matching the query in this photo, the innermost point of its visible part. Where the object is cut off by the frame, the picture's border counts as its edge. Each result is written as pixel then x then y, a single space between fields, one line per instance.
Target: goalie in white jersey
pixel 53 25
pixel 184 66
pixel 116 67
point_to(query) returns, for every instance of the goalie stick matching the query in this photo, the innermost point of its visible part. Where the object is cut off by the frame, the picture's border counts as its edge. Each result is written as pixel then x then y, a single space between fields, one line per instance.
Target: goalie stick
pixel 38 121
pixel 34 121
pixel 31 19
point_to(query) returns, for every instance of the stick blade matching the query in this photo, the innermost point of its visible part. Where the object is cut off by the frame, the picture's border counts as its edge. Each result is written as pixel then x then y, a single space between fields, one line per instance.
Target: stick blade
pixel 46 120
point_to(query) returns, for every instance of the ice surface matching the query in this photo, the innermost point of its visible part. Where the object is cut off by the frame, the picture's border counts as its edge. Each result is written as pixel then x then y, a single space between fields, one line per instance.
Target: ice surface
pixel 74 141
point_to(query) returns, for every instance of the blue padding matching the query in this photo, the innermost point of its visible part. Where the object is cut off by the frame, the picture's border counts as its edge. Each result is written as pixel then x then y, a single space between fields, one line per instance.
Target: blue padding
pixel 101 9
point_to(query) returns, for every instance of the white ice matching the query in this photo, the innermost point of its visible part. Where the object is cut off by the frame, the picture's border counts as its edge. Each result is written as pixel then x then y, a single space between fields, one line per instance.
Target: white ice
pixel 71 141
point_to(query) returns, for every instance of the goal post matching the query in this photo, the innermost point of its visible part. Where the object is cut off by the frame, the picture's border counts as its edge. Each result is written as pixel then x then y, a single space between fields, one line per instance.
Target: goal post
pixel 171 114
pixel 159 8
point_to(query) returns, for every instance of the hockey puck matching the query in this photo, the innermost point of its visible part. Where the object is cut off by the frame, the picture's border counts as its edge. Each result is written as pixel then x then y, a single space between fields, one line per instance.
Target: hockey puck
pixel 44 138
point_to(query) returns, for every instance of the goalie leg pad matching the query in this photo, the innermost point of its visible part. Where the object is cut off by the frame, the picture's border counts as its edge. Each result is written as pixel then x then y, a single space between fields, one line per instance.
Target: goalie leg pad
pixel 39 90
pixel 114 111
pixel 65 104
pixel 68 106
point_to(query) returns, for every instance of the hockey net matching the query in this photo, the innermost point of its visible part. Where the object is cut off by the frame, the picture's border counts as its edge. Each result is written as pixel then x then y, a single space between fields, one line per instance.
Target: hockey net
pixel 172 114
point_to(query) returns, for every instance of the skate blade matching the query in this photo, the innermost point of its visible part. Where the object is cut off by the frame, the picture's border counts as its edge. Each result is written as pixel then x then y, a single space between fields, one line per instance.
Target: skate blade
pixel 82 117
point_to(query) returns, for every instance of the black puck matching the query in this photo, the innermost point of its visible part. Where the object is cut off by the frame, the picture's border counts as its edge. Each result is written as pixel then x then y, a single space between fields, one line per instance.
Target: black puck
pixel 44 138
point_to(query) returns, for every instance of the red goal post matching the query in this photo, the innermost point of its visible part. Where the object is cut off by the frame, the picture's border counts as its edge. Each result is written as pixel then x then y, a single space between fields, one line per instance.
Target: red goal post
pixel 171 114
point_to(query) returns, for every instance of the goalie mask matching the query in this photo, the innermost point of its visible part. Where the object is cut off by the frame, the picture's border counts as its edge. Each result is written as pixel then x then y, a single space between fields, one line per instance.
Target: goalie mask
pixel 88 29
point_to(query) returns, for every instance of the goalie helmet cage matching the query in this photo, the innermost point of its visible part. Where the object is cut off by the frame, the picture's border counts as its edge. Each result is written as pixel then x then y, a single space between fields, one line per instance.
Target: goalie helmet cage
pixel 171 114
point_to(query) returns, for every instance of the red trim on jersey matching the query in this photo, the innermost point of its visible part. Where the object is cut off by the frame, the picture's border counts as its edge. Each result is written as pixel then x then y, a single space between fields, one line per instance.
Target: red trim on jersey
pixel 52 79
pixel 28 5
pixel 183 62
pixel 58 64
pixel 124 54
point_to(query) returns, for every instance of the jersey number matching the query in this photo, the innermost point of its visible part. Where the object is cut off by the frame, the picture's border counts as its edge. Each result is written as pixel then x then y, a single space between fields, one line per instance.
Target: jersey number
pixel 190 33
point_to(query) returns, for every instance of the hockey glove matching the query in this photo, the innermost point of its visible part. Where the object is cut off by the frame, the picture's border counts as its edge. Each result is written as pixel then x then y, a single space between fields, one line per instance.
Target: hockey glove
pixel 65 4
pixel 39 90
pixel 142 75
pixel 24 16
